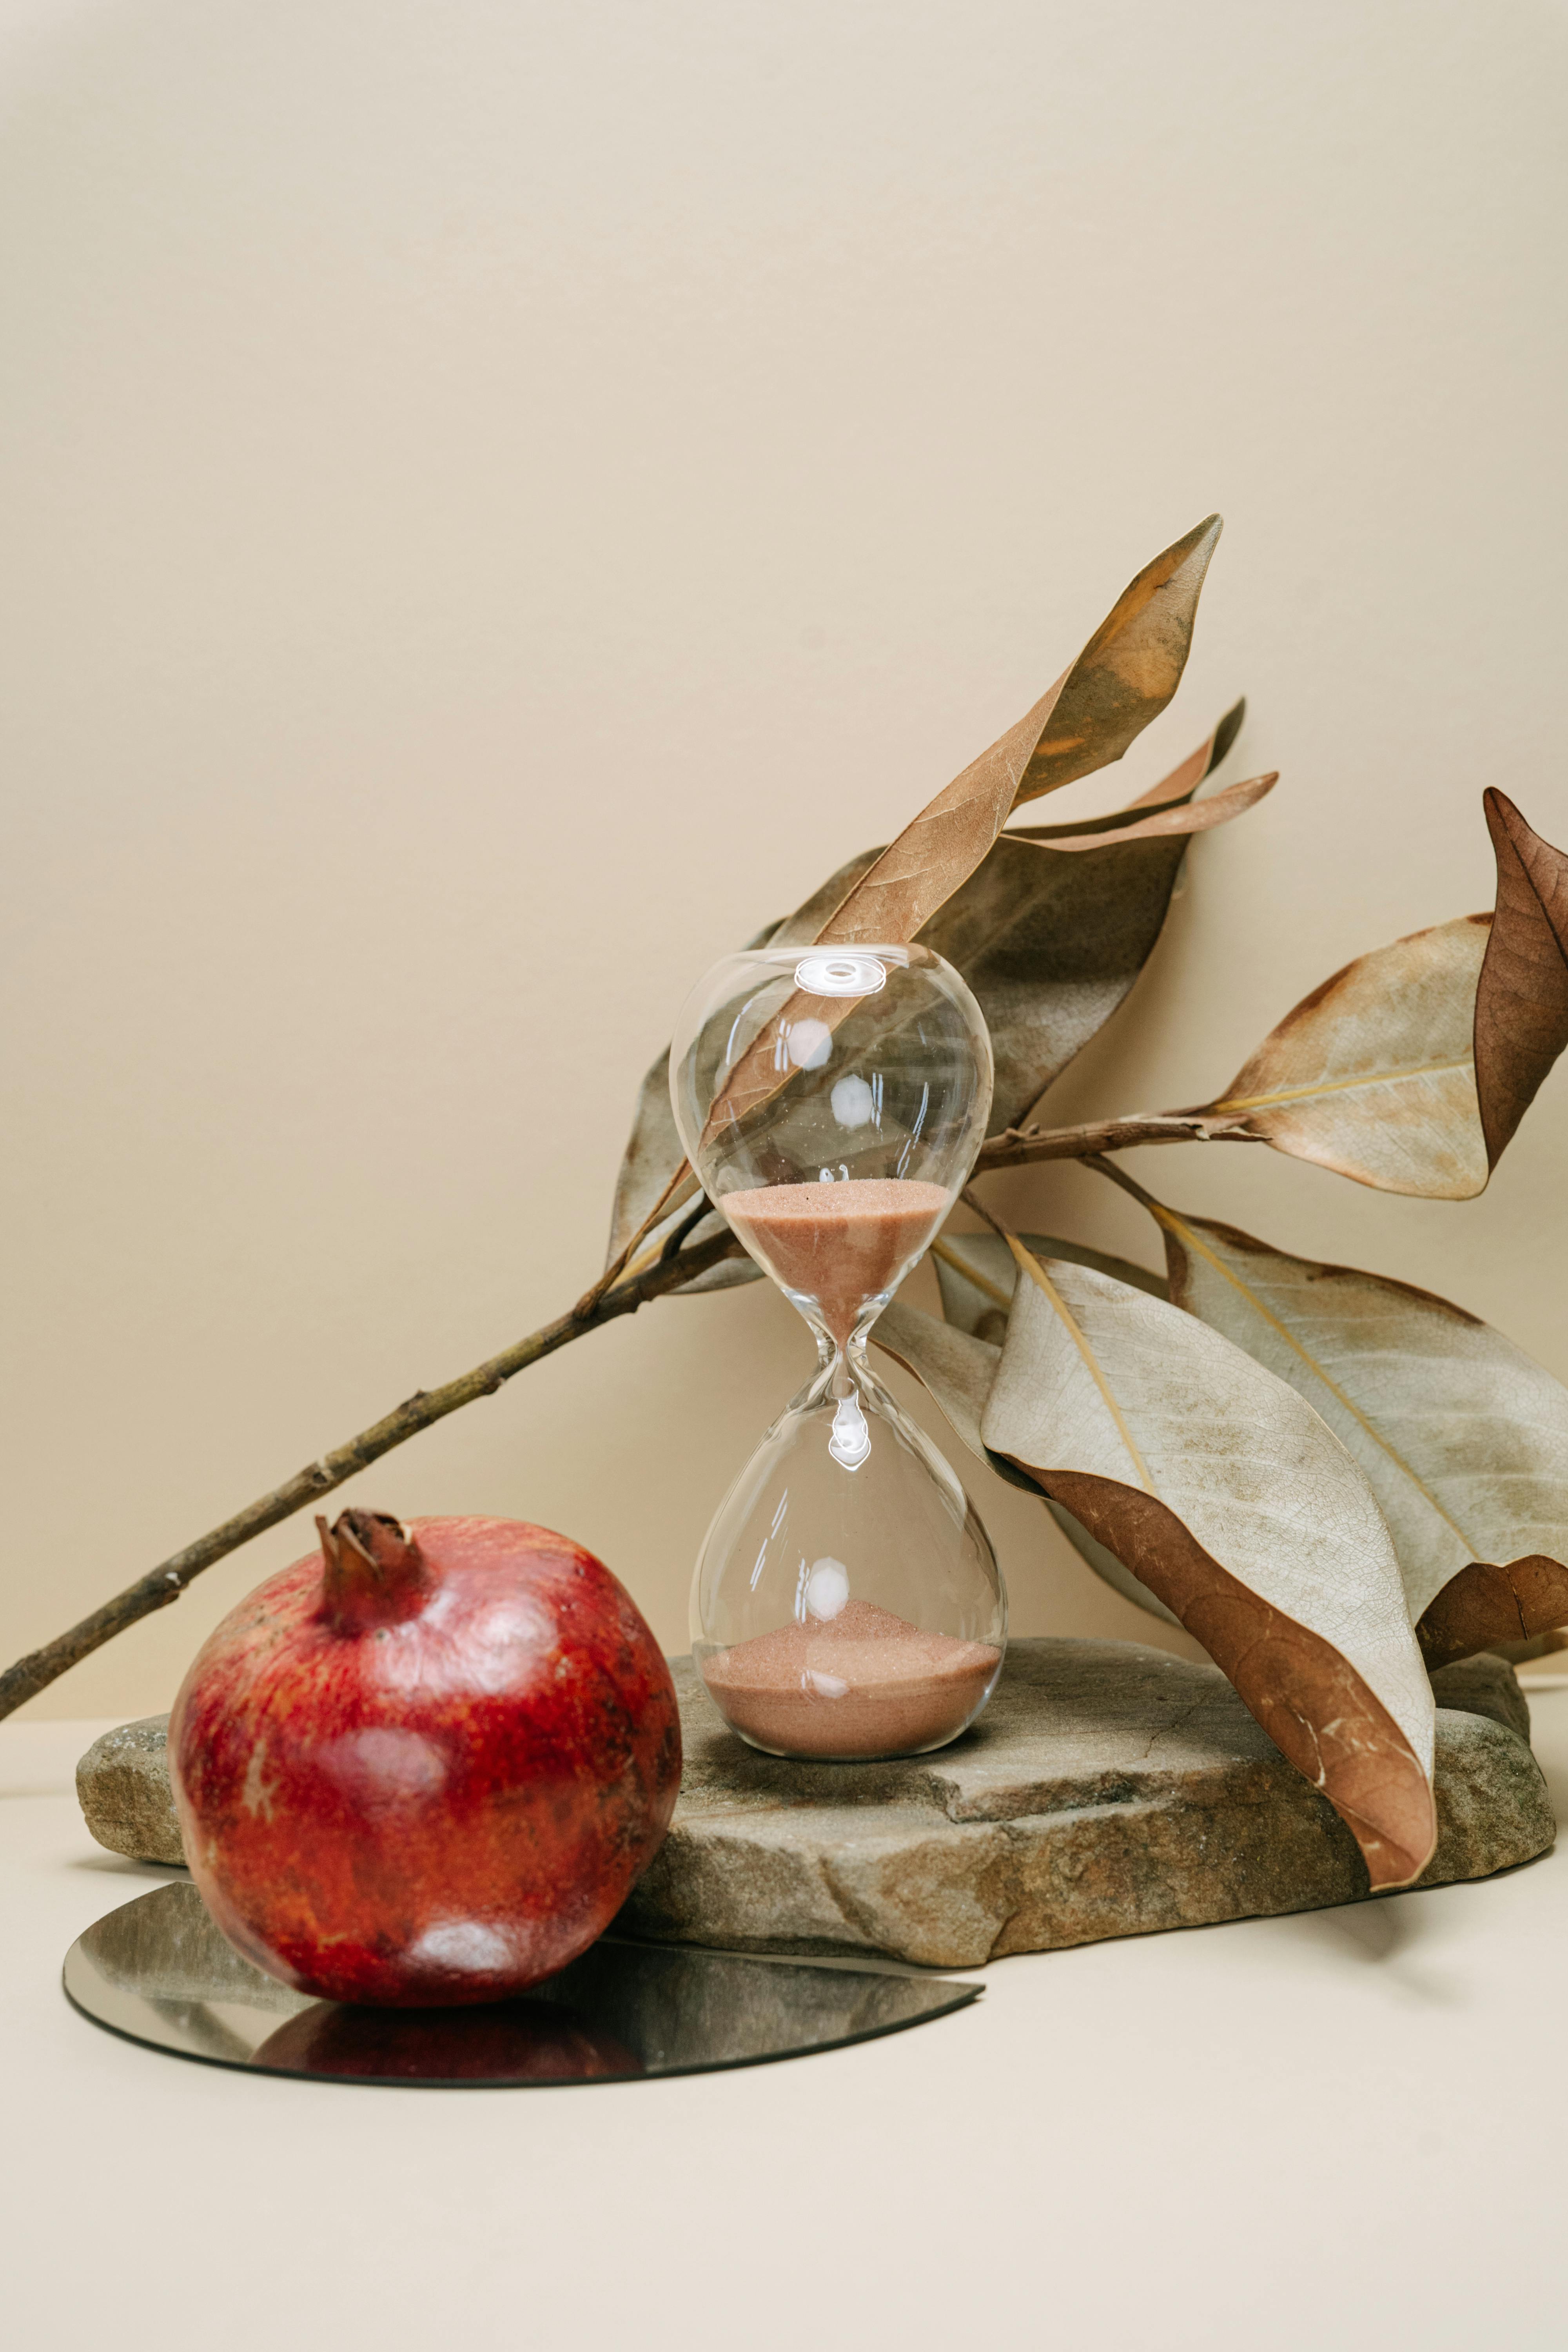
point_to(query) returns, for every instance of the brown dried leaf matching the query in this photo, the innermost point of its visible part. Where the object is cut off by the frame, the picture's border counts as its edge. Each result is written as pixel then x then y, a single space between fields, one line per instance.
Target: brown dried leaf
pixel 653 1156
pixel 977 1274
pixel 650 1166
pixel 1484 1605
pixel 1173 791
pixel 1051 940
pixel 1142 639
pixel 954 1366
pixel 653 1161
pixel 1123 678
pixel 1373 1074
pixel 1165 823
pixel 1410 1069
pixel 957 1370
pixel 1050 946
pixel 1127 672
pixel 1521 1005
pixel 1246 1517
pixel 1462 1437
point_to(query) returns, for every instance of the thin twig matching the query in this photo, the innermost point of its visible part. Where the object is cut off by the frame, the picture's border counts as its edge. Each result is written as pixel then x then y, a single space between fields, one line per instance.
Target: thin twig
pixel 601 1304
pixel 971 1200
pixel 1120 1176
pixel 681 1233
pixel 165 1583
pixel 1019 1146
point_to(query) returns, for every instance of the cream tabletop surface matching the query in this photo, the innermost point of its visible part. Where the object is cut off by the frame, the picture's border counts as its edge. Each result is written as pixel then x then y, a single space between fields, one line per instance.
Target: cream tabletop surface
pixel 1344 2128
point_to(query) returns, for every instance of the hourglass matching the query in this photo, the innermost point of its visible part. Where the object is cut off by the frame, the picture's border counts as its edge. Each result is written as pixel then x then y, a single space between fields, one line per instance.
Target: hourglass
pixel 846 1601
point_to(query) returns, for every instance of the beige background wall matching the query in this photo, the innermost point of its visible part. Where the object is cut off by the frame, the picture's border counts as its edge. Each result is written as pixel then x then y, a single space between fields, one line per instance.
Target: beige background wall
pixel 500 498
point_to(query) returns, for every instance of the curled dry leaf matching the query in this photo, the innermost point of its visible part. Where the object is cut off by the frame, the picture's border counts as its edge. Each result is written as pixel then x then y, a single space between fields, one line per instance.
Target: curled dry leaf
pixel 1463 1438
pixel 1123 678
pixel 1411 1069
pixel 1127 672
pixel 1246 1517
pixel 650 1179
pixel 1521 1005
pixel 1373 1074
pixel 977 1274
pixel 1173 791
pixel 1050 948
pixel 1247 1521
pixel 1051 936
pixel 957 1370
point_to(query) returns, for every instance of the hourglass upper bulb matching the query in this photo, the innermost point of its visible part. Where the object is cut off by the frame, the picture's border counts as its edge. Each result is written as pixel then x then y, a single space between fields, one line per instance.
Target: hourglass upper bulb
pixel 832 1101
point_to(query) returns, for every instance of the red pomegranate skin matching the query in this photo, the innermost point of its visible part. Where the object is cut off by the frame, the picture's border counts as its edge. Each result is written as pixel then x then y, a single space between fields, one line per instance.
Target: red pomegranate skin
pixel 429 1792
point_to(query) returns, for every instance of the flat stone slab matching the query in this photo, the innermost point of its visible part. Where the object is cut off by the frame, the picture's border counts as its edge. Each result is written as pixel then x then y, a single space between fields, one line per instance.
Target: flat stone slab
pixel 1107 1790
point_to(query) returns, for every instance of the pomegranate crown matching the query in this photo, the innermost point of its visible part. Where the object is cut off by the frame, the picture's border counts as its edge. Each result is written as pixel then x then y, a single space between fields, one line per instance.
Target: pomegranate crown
pixel 373 1573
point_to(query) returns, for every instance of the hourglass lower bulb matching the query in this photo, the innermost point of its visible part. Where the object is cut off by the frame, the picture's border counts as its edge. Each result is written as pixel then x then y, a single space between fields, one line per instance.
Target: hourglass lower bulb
pixel 846 1600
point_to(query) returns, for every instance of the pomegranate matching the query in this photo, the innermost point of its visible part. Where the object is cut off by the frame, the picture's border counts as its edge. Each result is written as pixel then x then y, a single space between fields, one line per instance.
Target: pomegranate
pixel 425 1764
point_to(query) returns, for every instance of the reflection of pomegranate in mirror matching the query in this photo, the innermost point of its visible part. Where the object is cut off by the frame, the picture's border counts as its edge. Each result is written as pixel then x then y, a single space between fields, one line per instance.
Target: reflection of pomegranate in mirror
pixel 504 2041
pixel 426 1764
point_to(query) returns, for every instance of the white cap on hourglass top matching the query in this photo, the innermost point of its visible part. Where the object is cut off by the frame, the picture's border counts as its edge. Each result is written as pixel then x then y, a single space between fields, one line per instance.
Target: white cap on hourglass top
pixel 841 973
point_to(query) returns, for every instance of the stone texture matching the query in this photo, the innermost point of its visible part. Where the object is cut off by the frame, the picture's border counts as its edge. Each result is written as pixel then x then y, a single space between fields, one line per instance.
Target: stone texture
pixel 1107 1791
pixel 122 1786
pixel 1484 1686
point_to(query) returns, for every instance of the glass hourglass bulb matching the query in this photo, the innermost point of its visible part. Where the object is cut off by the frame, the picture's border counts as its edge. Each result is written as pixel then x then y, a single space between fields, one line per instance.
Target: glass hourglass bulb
pixel 846 1601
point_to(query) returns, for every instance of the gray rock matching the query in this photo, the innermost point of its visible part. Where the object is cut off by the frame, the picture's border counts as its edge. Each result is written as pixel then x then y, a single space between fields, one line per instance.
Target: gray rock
pixel 122 1787
pixel 1107 1790
pixel 1484 1686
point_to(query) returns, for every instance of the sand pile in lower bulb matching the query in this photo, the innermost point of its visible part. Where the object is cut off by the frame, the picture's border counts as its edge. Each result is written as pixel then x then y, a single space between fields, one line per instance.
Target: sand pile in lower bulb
pixel 867 1683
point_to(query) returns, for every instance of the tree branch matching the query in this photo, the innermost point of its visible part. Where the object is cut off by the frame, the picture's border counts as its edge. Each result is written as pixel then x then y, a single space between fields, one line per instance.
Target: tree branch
pixel 1020 1146
pixel 602 1303
pixel 165 1583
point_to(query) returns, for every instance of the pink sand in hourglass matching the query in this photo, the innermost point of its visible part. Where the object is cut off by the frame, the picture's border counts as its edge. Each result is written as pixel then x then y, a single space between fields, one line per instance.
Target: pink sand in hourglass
pixel 868 1683
pixel 840 1244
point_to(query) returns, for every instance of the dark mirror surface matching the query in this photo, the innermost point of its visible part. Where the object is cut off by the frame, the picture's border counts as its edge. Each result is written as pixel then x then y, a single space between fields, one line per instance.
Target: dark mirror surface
pixel 159 1972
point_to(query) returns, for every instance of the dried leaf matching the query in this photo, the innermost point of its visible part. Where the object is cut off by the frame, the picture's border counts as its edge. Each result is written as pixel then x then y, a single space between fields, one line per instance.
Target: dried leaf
pixel 1127 672
pixel 1521 1005
pixel 1051 947
pixel 1246 1517
pixel 652 1157
pixel 958 1370
pixel 1169 823
pixel 1463 1439
pixel 977 1274
pixel 1143 644
pixel 652 1160
pixel 1172 791
pixel 1410 1069
pixel 1123 678
pixel 1051 940
pixel 1373 1076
